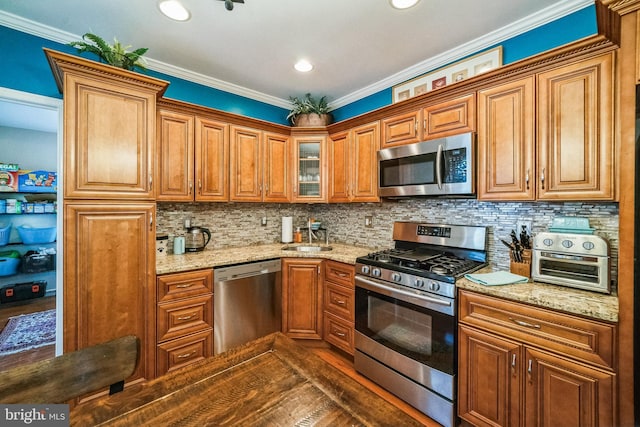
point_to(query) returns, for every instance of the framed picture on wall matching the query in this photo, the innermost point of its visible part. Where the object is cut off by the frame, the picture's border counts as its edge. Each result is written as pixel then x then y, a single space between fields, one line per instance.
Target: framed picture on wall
pixel 453 73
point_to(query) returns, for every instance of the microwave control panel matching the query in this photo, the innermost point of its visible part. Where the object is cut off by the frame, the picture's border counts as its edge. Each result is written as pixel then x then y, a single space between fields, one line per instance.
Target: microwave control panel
pixel 456 165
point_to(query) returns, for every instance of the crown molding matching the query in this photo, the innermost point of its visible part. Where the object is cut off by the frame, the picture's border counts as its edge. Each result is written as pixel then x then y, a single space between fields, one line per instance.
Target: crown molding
pixel 549 14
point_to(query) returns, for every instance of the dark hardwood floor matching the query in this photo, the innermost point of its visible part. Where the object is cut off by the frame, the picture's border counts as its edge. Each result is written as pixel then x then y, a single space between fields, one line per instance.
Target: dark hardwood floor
pixel 23 307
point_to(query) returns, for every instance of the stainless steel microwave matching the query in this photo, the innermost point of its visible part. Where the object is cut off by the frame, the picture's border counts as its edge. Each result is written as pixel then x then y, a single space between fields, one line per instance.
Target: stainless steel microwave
pixel 439 167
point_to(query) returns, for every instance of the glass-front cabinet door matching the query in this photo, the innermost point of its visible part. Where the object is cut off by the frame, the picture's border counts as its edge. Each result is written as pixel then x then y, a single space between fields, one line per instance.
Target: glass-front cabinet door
pixel 310 162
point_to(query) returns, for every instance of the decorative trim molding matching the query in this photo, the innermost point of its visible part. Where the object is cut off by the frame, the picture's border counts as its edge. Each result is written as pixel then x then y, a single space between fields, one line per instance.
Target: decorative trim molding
pixel 545 16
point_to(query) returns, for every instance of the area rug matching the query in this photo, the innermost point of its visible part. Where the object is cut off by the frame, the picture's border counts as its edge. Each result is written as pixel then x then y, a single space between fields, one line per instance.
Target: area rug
pixel 28 331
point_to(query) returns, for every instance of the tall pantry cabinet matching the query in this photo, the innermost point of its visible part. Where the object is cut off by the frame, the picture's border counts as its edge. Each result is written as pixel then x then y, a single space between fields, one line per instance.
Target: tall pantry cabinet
pixel 109 207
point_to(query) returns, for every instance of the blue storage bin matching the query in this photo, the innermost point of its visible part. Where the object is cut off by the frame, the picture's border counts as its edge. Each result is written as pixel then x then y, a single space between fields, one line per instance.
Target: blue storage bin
pixel 9 265
pixel 5 232
pixel 33 235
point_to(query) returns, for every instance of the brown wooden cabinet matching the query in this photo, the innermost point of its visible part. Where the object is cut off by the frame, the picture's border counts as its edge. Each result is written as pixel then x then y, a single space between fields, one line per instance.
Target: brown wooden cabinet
pixel 401 129
pixel 575 139
pixel 309 168
pixel 522 365
pixel 302 298
pixel 184 331
pixel 449 117
pixel 339 305
pixel 506 141
pixel 109 271
pixel 193 157
pixel 259 166
pixel 353 164
pixel 109 129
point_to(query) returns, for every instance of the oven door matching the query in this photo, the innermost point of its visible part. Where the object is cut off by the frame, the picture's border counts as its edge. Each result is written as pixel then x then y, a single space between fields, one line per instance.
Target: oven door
pixel 409 331
pixel 437 167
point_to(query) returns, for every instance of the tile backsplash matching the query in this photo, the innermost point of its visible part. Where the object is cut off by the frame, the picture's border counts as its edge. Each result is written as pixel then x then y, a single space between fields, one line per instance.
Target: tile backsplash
pixel 238 224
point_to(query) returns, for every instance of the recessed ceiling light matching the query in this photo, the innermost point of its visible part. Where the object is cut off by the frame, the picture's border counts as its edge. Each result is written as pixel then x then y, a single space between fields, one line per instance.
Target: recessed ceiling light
pixel 403 4
pixel 303 66
pixel 174 10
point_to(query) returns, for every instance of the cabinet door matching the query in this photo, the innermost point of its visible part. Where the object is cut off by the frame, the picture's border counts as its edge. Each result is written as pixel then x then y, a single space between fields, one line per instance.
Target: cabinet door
pixel 212 160
pixel 364 161
pixel 506 141
pixel 563 393
pixel 302 298
pixel 310 182
pixel 450 117
pixel 402 129
pixel 175 156
pixel 489 377
pixel 109 140
pixel 277 168
pixel 109 275
pixel 575 131
pixel 245 170
pixel 339 167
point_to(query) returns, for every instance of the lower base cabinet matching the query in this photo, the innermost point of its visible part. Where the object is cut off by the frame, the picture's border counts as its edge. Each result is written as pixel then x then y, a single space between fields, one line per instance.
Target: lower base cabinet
pixel 184 319
pixel 512 379
pixel 302 298
pixel 339 305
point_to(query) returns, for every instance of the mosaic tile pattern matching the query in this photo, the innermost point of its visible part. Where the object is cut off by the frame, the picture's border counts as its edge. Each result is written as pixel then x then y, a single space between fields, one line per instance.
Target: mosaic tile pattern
pixel 238 224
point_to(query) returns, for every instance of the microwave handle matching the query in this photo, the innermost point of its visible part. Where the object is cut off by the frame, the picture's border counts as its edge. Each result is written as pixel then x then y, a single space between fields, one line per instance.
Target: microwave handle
pixel 439 161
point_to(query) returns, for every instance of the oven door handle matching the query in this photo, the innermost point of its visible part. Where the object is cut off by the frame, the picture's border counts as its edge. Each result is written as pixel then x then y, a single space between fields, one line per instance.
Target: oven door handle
pixel 394 292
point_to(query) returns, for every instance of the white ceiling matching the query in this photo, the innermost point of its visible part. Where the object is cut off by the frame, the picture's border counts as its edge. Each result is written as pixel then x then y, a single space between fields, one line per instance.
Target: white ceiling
pixel 358 47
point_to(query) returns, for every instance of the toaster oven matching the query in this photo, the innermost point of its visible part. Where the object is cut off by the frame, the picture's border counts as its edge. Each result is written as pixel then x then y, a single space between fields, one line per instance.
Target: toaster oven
pixel 574 260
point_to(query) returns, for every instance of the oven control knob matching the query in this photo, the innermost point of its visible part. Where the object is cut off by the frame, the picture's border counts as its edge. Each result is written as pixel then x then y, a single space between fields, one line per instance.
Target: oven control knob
pixel 376 272
pixel 548 242
pixel 433 286
pixel 567 243
pixel 365 269
pixel 419 283
pixel 396 277
pixel 588 245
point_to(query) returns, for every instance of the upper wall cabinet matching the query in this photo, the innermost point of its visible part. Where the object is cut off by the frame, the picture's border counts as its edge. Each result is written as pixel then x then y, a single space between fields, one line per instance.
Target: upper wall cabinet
pixel 193 157
pixel 109 129
pixel 353 165
pixel 259 166
pixel 309 168
pixel 575 146
pixel 570 156
pixel 402 129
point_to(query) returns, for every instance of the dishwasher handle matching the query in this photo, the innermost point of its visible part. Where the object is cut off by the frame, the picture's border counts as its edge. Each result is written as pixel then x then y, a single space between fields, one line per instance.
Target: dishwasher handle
pixel 242 271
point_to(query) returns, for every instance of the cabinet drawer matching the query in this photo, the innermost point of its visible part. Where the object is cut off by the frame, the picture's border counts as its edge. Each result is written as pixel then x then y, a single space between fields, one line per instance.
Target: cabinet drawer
pixel 339 273
pixel 177 353
pixel 338 332
pixel 183 285
pixel 339 300
pixel 184 317
pixel 589 340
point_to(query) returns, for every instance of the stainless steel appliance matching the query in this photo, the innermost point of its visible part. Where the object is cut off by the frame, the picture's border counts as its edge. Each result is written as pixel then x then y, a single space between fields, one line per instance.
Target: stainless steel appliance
pixel 439 167
pixel 575 260
pixel 247 303
pixel 405 309
pixel 195 239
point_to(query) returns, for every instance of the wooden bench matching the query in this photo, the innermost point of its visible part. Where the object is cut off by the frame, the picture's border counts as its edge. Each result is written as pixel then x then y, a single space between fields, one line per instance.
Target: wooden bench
pixel 65 377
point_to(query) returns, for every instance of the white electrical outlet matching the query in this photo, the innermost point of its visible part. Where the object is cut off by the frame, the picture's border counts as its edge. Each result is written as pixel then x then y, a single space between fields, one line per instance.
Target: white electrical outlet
pixel 526 224
pixel 368 221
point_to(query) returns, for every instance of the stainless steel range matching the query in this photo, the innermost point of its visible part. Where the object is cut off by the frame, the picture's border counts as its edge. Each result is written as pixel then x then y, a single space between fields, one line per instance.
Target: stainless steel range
pixel 405 335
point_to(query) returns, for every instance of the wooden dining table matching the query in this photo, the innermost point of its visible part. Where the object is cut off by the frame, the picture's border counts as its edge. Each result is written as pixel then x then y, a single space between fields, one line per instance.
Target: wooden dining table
pixel 272 381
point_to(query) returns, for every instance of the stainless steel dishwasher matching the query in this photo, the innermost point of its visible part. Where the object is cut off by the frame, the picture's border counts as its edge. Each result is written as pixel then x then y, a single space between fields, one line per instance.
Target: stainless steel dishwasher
pixel 247 303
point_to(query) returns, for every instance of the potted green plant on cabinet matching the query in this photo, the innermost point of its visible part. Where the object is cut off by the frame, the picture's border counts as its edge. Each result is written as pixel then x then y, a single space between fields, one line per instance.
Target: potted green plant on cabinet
pixel 116 54
pixel 309 111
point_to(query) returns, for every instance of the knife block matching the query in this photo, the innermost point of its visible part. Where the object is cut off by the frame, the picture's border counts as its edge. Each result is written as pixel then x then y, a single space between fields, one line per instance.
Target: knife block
pixel 522 268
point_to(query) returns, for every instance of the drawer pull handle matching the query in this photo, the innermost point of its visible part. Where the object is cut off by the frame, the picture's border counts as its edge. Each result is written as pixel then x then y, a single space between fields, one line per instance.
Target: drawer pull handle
pixel 339 301
pixel 184 285
pixel 339 273
pixel 340 334
pixel 525 324
pixel 182 356
pixel 189 317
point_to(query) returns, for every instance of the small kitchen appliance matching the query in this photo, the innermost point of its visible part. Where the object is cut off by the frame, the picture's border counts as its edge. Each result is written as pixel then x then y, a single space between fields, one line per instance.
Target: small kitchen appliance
pixel 195 239
pixel 438 167
pixel 574 260
pixel 405 312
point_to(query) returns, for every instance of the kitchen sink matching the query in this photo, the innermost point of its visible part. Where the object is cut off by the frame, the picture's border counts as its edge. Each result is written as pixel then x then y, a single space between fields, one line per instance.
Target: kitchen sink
pixel 307 248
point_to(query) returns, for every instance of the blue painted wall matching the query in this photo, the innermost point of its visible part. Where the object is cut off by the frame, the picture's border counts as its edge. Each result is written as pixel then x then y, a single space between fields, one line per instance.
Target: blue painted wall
pixel 23 67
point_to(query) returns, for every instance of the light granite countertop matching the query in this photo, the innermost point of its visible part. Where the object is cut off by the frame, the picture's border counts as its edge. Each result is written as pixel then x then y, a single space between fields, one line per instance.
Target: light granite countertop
pixel 573 301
